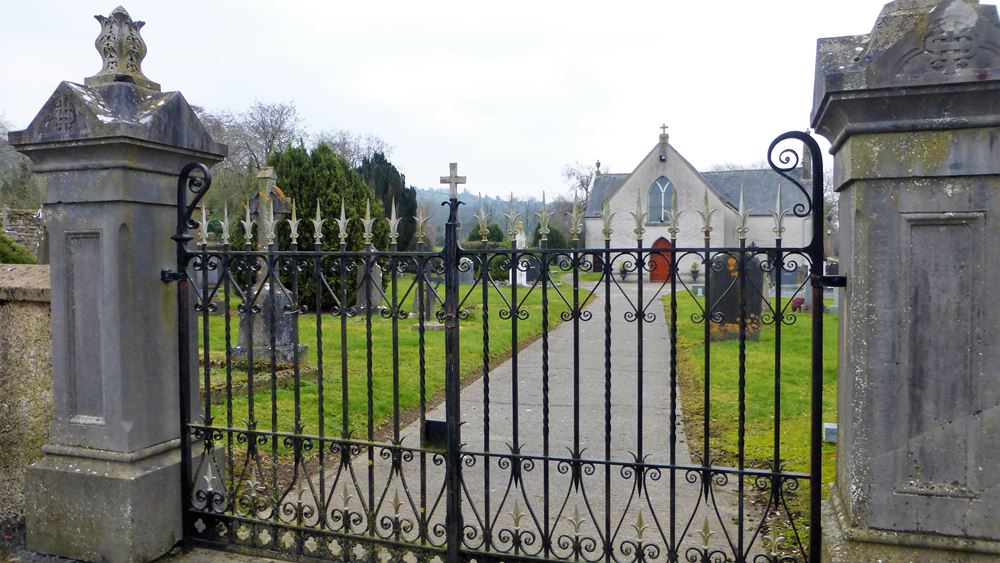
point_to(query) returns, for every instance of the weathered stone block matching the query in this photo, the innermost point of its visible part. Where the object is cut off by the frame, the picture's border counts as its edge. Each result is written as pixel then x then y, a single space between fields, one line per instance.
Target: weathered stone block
pixel 115 509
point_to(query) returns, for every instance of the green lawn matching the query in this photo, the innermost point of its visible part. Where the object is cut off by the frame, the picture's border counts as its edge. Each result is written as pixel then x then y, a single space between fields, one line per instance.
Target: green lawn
pixel 796 362
pixel 406 339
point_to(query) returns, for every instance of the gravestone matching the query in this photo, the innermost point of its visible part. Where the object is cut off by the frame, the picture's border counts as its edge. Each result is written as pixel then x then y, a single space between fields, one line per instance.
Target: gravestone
pixel 276 315
pixel 726 300
pixel 108 152
pixel 517 275
pixel 912 112
pixel 467 273
pixel 534 270
pixel 368 288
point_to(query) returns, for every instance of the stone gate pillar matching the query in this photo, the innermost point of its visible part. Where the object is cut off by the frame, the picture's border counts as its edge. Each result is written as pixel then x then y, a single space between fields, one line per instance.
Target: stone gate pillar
pixel 913 113
pixel 107 154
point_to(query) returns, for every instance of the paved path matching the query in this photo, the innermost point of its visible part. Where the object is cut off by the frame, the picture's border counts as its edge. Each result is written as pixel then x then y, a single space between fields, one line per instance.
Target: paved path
pixel 560 504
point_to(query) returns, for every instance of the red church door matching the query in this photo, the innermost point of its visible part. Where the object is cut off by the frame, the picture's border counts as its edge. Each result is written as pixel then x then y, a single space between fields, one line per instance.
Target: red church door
pixel 660 262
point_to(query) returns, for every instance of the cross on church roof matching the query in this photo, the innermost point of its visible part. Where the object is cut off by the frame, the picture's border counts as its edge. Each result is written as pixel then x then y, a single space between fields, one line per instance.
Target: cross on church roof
pixel 663 129
pixel 453 180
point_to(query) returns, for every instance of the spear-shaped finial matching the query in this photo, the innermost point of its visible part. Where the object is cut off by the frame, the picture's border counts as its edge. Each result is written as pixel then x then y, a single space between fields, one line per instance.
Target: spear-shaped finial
pixel 393 223
pixel 779 216
pixel 543 220
pixel 367 223
pixel 639 216
pixel 576 216
pixel 225 223
pixel 673 216
pixel 606 216
pixel 342 224
pixel 318 225
pixel 743 227
pixel 706 216
pixel 248 224
pixel 483 221
pixel 293 223
pixel 203 226
pixel 421 220
pixel 267 215
pixel 513 219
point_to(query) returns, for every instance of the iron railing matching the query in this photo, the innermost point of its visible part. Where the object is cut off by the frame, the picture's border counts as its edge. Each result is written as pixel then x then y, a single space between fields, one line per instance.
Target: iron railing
pixel 552 457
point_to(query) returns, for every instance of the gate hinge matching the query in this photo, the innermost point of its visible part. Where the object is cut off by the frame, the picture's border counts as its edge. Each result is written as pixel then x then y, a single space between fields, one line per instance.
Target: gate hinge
pixel 167 275
pixel 833 281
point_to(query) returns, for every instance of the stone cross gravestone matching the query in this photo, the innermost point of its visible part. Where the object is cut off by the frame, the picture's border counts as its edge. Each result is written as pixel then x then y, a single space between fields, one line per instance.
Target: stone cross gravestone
pixel 276 305
pixel 724 297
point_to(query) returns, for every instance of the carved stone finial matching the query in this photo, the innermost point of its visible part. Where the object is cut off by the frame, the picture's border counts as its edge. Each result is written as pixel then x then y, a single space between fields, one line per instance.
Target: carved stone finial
pixel 122 50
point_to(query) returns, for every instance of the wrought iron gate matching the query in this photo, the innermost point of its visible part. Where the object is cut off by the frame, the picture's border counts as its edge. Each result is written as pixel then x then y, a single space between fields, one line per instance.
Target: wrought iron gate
pixel 332 451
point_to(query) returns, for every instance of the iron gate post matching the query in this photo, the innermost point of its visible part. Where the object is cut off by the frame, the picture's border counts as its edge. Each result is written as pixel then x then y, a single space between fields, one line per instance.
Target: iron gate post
pixel 453 387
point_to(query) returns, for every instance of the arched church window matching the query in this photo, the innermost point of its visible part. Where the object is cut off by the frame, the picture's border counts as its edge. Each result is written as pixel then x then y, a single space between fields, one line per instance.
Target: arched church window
pixel 661 195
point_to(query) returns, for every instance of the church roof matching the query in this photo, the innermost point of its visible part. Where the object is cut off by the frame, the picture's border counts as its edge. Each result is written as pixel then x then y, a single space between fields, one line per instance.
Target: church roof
pixel 760 188
pixel 605 186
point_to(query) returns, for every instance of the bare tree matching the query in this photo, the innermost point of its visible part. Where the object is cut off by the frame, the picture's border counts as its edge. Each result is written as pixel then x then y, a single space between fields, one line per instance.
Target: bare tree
pixel 581 178
pixel 352 146
pixel 267 128
pixel 16 186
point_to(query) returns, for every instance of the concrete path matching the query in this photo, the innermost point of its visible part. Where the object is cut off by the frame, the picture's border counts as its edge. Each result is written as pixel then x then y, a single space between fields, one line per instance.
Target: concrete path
pixel 509 506
pixel 611 501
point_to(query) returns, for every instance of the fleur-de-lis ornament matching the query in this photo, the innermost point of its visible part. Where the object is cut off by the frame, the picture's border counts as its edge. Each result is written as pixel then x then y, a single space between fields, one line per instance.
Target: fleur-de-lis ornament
pixel 513 216
pixel 393 223
pixel 706 217
pixel 706 534
pixel 606 216
pixel 367 223
pixel 342 224
pixel 396 503
pixel 576 520
pixel 225 223
pixel 517 514
pixel 743 226
pixel 640 527
pixel 673 217
pixel 268 220
pixel 576 217
pixel 639 216
pixel 483 221
pixel 779 216
pixel 421 220
pixel 775 541
pixel 543 220
pixel 293 224
pixel 248 224
pixel 318 225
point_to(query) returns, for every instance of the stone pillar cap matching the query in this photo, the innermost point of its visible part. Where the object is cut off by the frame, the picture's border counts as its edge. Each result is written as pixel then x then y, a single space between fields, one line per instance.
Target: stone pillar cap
pixel 918 48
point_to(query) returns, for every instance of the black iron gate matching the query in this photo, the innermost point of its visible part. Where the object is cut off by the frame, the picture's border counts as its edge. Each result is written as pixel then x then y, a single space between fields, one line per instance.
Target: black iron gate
pixel 310 380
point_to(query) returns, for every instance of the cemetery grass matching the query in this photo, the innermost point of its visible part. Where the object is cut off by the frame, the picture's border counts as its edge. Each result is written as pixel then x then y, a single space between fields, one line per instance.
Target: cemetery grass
pixel 796 365
pixel 383 399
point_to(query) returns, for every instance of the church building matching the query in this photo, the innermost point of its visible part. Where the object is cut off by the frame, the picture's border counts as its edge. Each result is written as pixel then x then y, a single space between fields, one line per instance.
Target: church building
pixel 664 174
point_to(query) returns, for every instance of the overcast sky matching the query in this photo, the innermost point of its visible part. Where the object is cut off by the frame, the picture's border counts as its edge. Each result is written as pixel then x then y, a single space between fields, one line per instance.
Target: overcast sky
pixel 512 91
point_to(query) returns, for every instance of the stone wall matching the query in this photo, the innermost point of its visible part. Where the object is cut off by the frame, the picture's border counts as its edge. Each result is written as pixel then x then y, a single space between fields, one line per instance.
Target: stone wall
pixel 25 380
pixel 25 227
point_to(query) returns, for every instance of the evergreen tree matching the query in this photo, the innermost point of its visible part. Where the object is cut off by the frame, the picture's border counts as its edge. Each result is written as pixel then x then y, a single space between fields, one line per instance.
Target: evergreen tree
pixel 321 175
pixel 556 239
pixel 389 184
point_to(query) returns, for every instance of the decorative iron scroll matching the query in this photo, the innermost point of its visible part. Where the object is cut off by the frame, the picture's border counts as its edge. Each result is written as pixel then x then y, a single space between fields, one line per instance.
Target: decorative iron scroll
pixel 326 455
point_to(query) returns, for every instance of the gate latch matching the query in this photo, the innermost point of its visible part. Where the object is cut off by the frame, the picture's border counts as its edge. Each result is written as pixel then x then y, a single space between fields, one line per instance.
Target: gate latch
pixel 833 281
pixel 167 275
pixel 435 435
